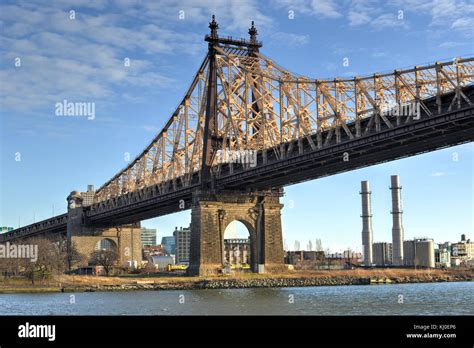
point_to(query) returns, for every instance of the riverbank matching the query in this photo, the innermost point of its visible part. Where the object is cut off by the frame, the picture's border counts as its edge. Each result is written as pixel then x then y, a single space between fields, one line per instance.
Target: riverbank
pixel 76 283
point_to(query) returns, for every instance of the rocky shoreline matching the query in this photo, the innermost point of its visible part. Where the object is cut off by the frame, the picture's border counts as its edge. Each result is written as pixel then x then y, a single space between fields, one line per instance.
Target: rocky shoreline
pixel 263 283
pixel 239 283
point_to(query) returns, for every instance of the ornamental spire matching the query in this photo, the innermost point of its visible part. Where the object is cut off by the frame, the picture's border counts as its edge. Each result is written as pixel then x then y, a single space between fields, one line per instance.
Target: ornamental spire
pixel 213 26
pixel 253 33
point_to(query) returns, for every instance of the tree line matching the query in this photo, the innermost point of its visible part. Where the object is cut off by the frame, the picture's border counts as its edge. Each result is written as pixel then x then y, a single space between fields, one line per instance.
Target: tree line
pixel 54 257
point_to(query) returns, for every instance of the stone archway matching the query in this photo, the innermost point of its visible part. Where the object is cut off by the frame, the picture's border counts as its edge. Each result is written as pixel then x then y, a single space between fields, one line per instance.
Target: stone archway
pixel 212 213
pixel 125 240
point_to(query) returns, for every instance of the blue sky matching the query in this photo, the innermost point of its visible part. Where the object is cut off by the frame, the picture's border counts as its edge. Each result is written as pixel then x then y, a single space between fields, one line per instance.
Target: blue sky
pixel 82 59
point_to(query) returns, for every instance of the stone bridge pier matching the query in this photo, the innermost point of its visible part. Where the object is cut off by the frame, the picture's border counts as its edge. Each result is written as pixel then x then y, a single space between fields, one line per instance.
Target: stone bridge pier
pixel 125 239
pixel 212 212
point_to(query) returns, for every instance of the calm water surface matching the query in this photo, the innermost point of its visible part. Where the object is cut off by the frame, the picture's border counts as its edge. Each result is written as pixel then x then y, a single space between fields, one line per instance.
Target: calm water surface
pixel 418 299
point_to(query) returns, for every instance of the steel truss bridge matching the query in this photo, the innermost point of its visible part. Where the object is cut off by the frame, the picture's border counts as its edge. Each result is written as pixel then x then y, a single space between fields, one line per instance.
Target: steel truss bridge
pixel 299 129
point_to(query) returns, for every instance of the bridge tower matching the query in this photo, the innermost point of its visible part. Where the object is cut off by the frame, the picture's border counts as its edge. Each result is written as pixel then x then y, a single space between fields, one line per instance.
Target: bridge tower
pixel 125 240
pixel 210 139
pixel 213 209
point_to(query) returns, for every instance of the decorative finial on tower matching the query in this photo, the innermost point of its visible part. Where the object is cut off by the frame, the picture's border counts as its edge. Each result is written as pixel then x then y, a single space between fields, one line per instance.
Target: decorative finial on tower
pixel 213 26
pixel 253 33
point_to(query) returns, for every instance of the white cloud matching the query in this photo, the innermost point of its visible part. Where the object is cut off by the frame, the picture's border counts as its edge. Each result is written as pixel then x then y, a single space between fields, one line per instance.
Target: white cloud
pixel 388 20
pixel 453 14
pixel 231 15
pixel 464 24
pixel 358 18
pixel 325 8
pixel 84 57
pixel 449 44
pixel 318 8
pixel 289 39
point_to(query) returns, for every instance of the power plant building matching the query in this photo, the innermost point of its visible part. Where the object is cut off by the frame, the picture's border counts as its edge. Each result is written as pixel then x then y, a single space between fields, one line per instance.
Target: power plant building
pixel 382 253
pixel 419 252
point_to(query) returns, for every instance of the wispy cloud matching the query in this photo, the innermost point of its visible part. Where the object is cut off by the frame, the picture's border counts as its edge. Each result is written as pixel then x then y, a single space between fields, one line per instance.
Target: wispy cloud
pixel 318 8
pixel 387 20
pixel 325 8
pixel 85 57
pixel 439 174
pixel 453 14
pixel 449 44
pixel 289 39
pixel 358 18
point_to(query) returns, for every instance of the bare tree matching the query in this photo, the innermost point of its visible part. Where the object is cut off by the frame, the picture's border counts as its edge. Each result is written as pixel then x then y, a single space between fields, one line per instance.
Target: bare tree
pixel 73 256
pixel 328 257
pixel 47 261
pixel 106 258
pixel 319 245
pixel 51 259
pixel 149 268
pixel 10 266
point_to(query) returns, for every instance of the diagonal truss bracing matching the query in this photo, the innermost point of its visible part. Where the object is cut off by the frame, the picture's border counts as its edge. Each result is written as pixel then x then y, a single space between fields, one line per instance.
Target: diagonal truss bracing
pixel 263 107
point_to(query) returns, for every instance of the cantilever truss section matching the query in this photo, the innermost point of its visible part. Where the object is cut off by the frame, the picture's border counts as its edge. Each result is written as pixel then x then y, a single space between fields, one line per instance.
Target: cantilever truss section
pixel 262 106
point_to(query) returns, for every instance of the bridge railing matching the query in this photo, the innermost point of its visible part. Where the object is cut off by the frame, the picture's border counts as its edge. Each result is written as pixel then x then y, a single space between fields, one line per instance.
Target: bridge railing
pixel 287 107
pixel 54 223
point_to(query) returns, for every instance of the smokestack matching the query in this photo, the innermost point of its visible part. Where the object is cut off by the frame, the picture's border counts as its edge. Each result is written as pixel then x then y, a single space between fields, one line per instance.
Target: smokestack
pixel 366 223
pixel 397 229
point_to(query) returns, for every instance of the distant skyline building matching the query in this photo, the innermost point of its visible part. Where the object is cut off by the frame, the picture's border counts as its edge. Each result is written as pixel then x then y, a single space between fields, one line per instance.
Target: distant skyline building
pixel 443 255
pixel 462 252
pixel 183 244
pixel 148 236
pixel 4 229
pixel 237 251
pixel 88 196
pixel 169 244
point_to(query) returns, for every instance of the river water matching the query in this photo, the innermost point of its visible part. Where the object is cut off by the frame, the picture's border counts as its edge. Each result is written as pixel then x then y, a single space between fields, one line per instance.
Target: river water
pixel 393 299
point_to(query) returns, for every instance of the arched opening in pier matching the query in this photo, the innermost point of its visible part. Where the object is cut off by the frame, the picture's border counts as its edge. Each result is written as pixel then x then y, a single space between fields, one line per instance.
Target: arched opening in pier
pixel 238 241
pixel 106 244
